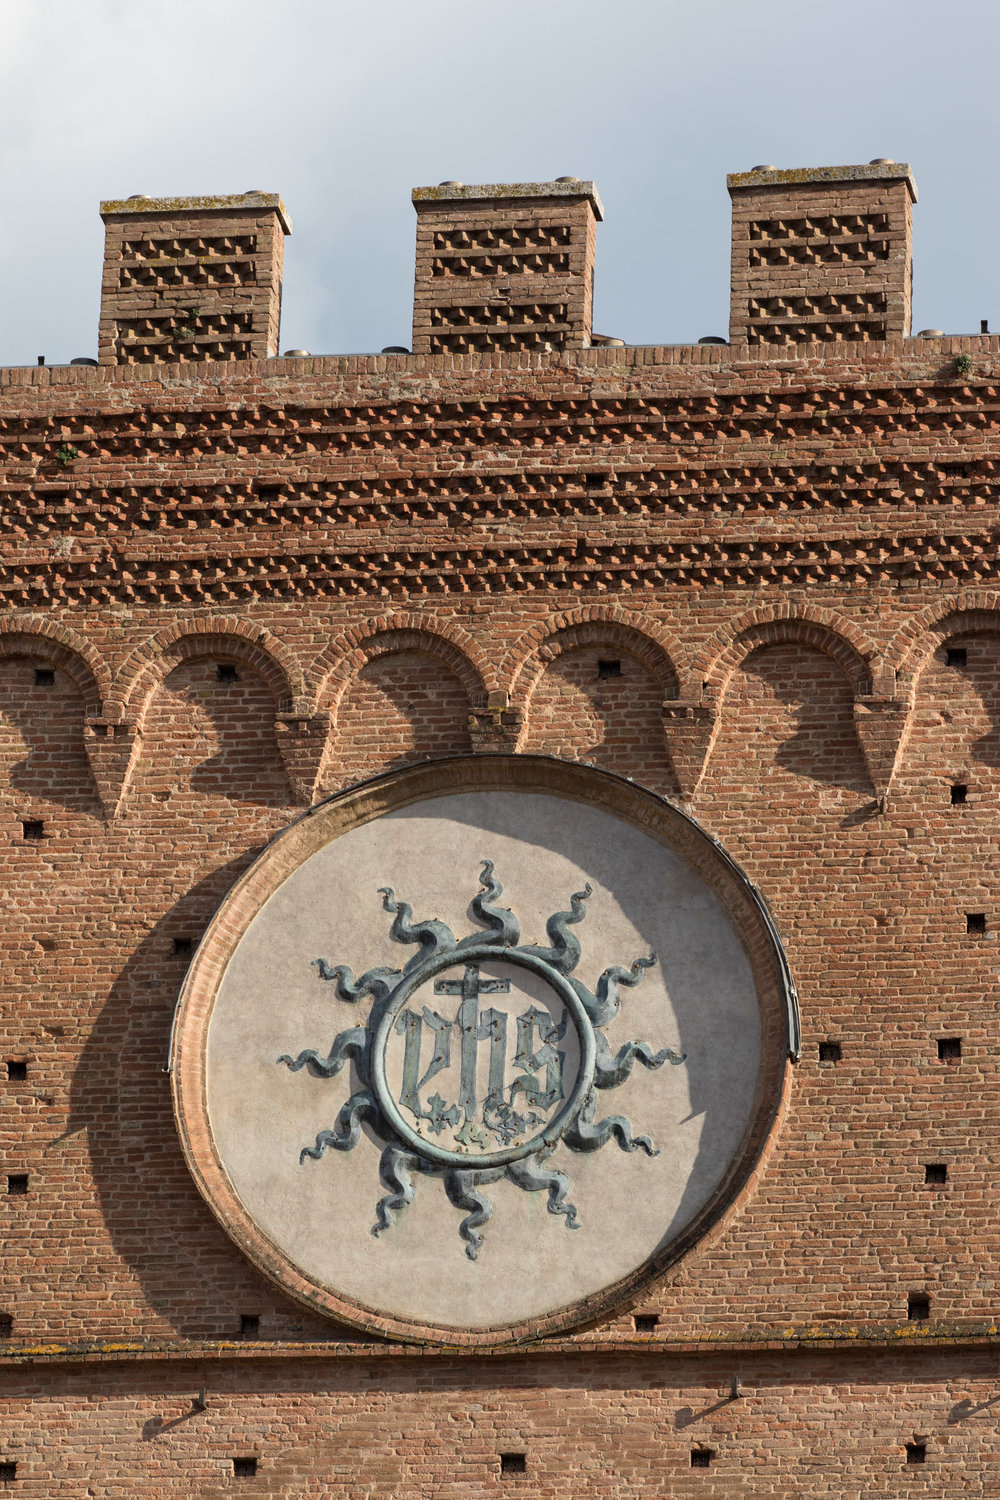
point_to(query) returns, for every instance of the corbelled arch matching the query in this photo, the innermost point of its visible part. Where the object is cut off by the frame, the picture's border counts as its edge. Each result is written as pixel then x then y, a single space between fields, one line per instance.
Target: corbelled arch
pixel 33 635
pixel 592 625
pixel 185 640
pixel 975 612
pixel 344 657
pixel 822 629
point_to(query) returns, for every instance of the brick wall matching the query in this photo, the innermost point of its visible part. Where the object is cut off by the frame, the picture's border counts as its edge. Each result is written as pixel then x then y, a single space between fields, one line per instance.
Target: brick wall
pixel 388 1424
pixel 779 553
pixel 504 266
pixel 822 255
pixel 191 279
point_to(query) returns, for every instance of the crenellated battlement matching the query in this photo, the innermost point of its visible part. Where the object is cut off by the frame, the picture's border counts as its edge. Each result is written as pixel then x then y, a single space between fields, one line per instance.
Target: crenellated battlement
pixel 820 257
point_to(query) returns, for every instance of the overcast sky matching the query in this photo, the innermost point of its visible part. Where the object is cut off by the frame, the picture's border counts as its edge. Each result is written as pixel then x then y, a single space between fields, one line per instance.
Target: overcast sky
pixel 343 106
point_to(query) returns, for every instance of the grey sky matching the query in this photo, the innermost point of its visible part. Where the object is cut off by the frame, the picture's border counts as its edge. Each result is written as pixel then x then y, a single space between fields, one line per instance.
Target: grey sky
pixel 343 107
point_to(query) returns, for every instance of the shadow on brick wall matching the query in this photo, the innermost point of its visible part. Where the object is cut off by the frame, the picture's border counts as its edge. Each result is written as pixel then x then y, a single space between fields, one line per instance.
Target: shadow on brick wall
pixel 789 712
pixel 209 732
pixel 42 752
pixel 178 1274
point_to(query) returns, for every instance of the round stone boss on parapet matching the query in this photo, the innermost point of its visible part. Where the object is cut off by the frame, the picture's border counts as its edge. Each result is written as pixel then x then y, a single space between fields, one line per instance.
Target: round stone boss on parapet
pixel 475 1050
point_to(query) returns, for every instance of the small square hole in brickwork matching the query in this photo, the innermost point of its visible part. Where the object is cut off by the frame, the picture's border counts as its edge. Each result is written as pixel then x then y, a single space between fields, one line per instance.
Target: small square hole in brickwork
pixel 244 1468
pixel 701 1458
pixel 645 1322
pixel 6 1325
pixel 17 1184
pixel 830 1052
pixel 226 672
pixel 918 1307
pixel 17 1069
pixel 32 828
pixel 513 1463
pixel 949 1048
pixel 8 1472
pixel 956 656
pixel 183 947
pixel 249 1326
pixel 959 794
pixel 607 669
pixel 916 1453
pixel 975 923
pixel 45 677
pixel 936 1173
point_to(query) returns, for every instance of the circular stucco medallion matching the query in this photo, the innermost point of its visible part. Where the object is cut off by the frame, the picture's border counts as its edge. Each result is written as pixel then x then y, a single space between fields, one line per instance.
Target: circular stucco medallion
pixel 476 1049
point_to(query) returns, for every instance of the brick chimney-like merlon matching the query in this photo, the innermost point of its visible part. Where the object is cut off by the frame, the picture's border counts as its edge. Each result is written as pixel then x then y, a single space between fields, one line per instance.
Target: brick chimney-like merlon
pixel 191 279
pixel 505 266
pixel 821 254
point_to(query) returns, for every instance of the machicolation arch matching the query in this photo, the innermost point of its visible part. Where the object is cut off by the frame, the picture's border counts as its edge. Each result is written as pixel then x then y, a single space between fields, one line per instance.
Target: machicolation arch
pixel 31 635
pixel 151 662
pixel 920 637
pixel 339 664
pixel 593 625
pixel 822 630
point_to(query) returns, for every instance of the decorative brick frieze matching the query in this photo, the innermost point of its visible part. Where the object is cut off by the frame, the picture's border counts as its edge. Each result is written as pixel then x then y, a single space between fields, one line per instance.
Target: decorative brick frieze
pixel 467 498
pixel 222 578
pixel 585 428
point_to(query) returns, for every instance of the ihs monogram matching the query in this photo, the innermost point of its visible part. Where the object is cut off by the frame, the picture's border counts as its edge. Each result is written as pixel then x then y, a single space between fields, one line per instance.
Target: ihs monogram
pixel 499 1117
pixel 510 1128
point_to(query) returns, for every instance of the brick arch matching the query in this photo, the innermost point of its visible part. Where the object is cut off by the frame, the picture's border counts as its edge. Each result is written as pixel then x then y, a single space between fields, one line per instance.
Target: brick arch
pixel 340 663
pixel 151 662
pixel 915 643
pixel 591 626
pixel 33 635
pixel 821 629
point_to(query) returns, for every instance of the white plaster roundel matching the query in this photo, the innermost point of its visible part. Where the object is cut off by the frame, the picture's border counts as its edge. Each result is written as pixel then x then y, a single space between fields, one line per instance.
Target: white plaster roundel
pixel 464 1063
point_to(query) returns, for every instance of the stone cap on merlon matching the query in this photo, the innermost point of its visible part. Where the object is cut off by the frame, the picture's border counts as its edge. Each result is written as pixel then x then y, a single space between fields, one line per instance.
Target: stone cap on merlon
pixel 213 203
pixel 873 171
pixel 486 192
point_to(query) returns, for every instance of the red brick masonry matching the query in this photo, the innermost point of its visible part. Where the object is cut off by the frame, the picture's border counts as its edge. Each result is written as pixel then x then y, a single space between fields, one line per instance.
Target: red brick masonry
pixel 788 550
